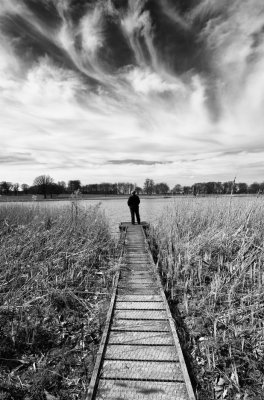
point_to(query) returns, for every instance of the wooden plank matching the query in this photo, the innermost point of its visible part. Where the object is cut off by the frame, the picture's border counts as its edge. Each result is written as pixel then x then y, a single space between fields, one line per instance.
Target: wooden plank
pixel 142 305
pixel 140 325
pixel 142 370
pixel 141 314
pixel 151 298
pixel 141 352
pixel 134 337
pixel 112 389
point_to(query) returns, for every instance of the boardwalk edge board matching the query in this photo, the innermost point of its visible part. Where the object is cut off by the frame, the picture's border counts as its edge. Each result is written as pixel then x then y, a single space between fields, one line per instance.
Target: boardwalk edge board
pixel 130 364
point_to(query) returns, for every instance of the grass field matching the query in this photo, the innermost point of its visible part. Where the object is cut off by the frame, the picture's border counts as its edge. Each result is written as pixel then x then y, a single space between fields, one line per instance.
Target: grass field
pixel 211 258
pixel 57 267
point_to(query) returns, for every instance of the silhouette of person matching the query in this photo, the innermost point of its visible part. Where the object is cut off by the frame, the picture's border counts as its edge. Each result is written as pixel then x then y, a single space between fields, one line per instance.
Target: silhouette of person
pixel 133 204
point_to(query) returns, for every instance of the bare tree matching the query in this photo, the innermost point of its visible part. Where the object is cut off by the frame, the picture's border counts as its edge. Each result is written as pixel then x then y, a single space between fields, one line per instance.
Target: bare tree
pixel 187 190
pixel 43 184
pixel 5 187
pixel 161 188
pixel 242 187
pixel 16 188
pixel 138 189
pixel 25 188
pixel 74 185
pixel 254 187
pixel 124 187
pixel 149 186
pixel 177 189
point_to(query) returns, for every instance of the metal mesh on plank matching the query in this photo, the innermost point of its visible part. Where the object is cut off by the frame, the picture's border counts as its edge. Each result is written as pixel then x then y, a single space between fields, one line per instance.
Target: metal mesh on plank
pixel 134 281
pixel 145 266
pixel 133 240
pixel 138 390
pixel 137 275
pixel 141 352
pixel 139 305
pixel 142 261
pixel 142 267
pixel 140 253
pixel 142 370
pixel 138 266
pixel 137 279
pixel 142 289
pixel 147 338
pixel 140 325
pixel 135 244
pixel 129 267
pixel 130 283
pixel 131 260
pixel 134 314
pixel 137 254
pixel 138 270
pixel 136 290
pixel 154 297
pixel 138 257
pixel 136 247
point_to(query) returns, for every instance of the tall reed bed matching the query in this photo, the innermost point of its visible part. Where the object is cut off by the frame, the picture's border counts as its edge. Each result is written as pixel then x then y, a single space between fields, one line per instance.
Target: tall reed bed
pixel 210 255
pixel 57 265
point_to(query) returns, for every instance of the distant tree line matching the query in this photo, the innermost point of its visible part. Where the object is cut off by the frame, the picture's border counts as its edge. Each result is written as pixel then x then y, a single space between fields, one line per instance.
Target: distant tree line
pixel 46 186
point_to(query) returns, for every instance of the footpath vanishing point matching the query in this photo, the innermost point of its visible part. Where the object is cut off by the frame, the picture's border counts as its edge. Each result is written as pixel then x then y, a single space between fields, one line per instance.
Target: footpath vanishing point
pixel 140 355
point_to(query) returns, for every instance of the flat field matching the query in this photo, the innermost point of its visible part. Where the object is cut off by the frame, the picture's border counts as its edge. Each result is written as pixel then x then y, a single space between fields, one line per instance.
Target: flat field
pixel 210 255
pixel 56 270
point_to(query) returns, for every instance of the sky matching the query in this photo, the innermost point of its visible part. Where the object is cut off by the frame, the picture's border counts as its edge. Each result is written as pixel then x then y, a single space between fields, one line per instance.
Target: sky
pixel 124 90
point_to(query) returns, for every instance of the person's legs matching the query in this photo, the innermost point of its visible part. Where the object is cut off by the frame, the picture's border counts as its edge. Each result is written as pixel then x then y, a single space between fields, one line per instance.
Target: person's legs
pixel 137 215
pixel 132 215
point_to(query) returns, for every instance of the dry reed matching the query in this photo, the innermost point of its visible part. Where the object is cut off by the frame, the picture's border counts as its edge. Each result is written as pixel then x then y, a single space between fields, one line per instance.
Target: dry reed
pixel 57 267
pixel 210 254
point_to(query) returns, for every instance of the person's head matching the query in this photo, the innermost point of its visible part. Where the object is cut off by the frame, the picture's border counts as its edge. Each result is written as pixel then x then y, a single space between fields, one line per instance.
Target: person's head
pixel 134 192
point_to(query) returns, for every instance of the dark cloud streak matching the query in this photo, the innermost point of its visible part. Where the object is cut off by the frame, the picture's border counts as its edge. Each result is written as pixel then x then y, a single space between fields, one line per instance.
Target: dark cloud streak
pixel 45 11
pixel 138 162
pixel 116 53
pixel 177 45
pixel 17 159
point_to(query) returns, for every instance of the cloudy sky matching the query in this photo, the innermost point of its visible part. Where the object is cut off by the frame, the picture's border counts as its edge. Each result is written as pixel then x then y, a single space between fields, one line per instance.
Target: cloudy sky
pixel 121 90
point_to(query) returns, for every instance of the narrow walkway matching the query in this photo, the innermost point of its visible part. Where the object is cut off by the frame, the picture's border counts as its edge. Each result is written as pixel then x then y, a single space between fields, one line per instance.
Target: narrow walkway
pixel 140 356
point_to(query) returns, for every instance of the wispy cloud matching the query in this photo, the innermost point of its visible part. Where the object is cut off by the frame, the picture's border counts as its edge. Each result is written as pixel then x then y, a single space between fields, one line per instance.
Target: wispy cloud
pixel 137 162
pixel 17 159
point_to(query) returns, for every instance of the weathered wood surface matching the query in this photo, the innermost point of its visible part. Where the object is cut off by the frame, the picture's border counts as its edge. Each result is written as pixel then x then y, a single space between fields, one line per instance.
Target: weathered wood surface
pixel 140 356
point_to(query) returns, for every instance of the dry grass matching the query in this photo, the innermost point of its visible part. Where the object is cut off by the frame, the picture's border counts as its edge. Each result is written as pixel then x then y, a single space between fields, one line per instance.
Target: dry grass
pixel 57 267
pixel 211 257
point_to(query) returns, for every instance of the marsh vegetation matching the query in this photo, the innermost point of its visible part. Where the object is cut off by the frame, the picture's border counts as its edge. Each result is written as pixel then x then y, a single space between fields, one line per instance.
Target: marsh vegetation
pixel 57 267
pixel 58 262
pixel 210 255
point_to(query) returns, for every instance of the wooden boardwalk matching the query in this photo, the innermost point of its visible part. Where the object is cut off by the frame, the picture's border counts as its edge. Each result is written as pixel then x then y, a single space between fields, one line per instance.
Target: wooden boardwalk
pixel 140 356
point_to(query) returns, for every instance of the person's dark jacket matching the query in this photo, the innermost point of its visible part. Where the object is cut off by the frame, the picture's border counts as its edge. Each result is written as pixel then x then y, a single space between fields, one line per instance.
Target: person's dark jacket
pixel 133 201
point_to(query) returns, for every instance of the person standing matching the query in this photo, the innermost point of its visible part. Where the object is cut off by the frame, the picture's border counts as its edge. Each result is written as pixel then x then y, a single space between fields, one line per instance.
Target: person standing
pixel 133 204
